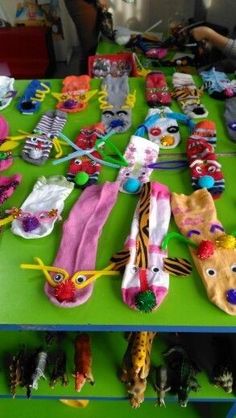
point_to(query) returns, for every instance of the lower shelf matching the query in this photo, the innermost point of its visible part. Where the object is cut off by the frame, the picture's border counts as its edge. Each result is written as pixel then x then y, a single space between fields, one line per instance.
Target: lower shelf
pixel 15 408
pixel 107 350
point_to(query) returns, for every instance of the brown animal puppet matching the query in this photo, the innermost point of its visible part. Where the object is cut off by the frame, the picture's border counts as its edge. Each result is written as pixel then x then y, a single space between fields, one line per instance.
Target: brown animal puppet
pixel 213 251
pixel 83 362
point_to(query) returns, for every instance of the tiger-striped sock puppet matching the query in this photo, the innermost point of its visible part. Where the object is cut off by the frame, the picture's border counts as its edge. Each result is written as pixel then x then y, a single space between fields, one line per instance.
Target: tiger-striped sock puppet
pixel 146 266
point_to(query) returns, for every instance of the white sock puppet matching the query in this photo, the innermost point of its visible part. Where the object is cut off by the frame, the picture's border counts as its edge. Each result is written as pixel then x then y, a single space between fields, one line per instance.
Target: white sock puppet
pixel 41 209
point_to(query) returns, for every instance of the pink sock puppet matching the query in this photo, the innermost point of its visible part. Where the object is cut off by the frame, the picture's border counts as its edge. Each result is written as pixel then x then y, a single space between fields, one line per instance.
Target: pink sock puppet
pixel 145 281
pixel 69 279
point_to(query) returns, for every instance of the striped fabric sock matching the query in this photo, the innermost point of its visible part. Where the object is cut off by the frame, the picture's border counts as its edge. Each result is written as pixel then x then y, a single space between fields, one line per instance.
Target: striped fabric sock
pixel 188 95
pixel 38 146
pixel 206 171
pixel 83 171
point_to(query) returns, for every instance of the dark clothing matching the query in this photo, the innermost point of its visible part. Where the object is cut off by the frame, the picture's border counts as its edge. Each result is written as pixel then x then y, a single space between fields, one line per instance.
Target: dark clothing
pixel 84 14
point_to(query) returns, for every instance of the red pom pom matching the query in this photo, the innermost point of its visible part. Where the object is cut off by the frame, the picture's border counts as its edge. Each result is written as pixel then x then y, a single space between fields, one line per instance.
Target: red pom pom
pixel 65 291
pixel 206 249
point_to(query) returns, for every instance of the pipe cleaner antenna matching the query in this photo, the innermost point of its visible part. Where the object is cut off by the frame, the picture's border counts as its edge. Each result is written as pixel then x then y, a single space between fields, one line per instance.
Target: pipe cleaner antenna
pixel 108 160
pixel 180 237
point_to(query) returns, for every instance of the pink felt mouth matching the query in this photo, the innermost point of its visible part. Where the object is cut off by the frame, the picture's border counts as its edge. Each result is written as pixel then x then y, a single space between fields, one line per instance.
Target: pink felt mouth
pixel 129 295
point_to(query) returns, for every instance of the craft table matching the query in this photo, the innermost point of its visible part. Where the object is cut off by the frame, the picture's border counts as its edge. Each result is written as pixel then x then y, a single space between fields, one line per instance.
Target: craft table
pixel 186 308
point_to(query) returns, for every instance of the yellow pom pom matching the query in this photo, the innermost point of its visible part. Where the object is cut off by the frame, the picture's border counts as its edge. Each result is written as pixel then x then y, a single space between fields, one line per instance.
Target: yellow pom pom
pixel 226 241
pixel 167 140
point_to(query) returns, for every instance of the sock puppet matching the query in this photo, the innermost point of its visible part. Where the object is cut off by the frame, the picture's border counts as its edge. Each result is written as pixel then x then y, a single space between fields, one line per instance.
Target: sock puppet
pixel 230 117
pixel 38 146
pixel 206 171
pixel 188 95
pixel 69 281
pixel 116 103
pixel 212 250
pixel 145 281
pixel 42 208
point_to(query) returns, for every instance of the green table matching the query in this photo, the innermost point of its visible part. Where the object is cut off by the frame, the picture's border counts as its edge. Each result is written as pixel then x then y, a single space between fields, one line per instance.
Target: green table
pixel 21 290
pixel 23 303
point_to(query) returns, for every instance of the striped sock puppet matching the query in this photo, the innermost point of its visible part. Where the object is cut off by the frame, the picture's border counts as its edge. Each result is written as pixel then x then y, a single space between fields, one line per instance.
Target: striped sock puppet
pixel 146 267
pixel 206 171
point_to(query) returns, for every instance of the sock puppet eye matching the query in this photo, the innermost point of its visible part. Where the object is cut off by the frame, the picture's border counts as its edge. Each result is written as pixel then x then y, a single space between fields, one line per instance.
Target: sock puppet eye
pixel 77 162
pixel 154 269
pixel 211 272
pixel 80 279
pixel 155 131
pixel 108 114
pixel 58 277
pixel 173 129
pixel 233 268
pixel 211 169
pixel 198 170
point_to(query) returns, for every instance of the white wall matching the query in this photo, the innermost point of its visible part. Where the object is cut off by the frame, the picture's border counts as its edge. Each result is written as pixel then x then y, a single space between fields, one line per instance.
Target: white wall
pixel 223 12
pixel 144 13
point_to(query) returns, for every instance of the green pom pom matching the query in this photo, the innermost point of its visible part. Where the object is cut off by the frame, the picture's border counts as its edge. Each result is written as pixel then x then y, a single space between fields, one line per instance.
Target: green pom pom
pixel 145 301
pixel 81 178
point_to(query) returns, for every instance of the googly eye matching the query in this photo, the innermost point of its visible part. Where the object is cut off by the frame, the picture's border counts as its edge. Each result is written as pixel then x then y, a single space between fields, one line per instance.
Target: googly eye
pixel 173 129
pixel 133 269
pixel 127 174
pixel 108 114
pixel 155 131
pixel 34 139
pixel 122 114
pixel 211 169
pixel 58 277
pixel 233 268
pixel 198 170
pixel 232 126
pixel 155 269
pixel 211 272
pixel 77 162
pixel 80 279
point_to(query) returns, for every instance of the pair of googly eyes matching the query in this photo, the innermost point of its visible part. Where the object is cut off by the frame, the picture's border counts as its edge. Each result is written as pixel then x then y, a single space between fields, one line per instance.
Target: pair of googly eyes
pixel 59 277
pixel 79 162
pixel 154 269
pixel 41 216
pixel 42 137
pixel 109 114
pixel 142 173
pixel 157 131
pixel 210 169
pixel 211 272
